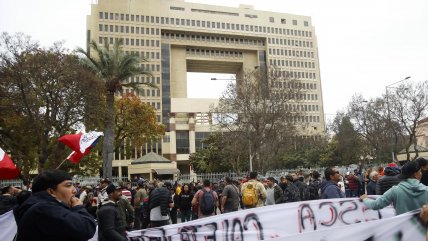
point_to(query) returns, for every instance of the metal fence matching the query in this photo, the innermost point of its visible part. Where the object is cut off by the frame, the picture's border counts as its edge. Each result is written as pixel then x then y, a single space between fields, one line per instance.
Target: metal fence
pixel 213 177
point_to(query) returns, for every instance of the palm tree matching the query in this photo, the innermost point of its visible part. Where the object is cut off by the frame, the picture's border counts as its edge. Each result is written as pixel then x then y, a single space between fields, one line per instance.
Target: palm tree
pixel 113 66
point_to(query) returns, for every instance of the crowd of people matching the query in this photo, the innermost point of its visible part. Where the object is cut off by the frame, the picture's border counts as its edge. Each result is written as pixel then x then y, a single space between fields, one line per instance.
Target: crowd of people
pixel 72 211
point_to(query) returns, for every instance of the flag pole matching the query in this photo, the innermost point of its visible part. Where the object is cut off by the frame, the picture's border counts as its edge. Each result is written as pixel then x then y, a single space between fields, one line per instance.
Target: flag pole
pixel 61 163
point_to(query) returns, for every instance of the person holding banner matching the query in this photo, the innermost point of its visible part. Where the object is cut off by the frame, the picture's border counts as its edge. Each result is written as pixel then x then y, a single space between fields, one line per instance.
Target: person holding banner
pixel 53 212
pixel 408 195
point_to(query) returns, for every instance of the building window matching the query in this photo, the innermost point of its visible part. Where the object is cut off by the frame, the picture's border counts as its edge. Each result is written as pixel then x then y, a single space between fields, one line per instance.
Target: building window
pixel 199 138
pixel 306 23
pixel 182 142
pixel 283 21
pixel 295 23
pixel 271 19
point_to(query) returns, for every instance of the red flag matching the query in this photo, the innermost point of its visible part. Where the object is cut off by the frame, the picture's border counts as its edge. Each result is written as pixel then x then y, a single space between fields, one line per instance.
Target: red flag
pixel 80 143
pixel 8 170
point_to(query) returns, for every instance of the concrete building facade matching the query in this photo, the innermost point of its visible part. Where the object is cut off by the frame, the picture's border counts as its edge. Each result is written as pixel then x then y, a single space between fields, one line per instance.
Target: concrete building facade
pixel 179 37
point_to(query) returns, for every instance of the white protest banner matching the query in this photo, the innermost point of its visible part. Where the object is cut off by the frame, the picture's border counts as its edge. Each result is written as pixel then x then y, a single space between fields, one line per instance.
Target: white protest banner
pixel 405 227
pixel 7 226
pixel 269 222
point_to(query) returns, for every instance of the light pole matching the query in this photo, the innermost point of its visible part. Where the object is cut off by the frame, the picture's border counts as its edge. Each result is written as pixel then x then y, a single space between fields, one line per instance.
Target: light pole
pixel 248 134
pixel 393 146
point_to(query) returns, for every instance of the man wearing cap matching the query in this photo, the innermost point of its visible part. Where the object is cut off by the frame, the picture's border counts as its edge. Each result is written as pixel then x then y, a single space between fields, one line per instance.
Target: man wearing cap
pixel 103 194
pixel 110 225
pixel 53 212
pixel 408 195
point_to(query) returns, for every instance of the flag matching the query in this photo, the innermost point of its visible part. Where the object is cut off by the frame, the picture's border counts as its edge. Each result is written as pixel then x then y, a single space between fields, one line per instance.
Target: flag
pixel 8 170
pixel 81 144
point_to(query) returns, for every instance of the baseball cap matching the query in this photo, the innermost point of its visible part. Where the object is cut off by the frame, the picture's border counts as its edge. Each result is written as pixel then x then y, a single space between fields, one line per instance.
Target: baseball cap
pixel 111 188
pixel 409 168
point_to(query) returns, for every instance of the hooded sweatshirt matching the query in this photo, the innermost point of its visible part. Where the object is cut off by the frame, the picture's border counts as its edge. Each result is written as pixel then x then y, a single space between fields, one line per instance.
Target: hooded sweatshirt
pixel 408 195
pixel 42 217
pixel 329 189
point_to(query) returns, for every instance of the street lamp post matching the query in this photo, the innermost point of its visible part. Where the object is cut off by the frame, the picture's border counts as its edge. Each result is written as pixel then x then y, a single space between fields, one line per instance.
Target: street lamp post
pixel 393 146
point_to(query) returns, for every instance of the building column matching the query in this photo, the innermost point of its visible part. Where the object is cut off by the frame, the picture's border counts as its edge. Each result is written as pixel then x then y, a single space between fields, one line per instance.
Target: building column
pixel 172 134
pixel 192 136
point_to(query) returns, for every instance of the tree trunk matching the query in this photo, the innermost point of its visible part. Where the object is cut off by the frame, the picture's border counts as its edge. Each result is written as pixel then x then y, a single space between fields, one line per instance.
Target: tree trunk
pixel 108 145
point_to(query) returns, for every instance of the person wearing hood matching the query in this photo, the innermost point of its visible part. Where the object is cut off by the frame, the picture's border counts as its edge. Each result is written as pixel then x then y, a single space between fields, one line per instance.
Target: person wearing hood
pixel 389 179
pixel 329 188
pixel 53 212
pixel 408 195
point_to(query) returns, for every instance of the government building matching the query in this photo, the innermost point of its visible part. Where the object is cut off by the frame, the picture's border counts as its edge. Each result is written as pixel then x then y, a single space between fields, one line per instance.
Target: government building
pixel 177 37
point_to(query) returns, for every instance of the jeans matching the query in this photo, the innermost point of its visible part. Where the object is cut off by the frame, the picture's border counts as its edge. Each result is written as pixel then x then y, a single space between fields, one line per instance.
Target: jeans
pixel 185 215
pixel 137 220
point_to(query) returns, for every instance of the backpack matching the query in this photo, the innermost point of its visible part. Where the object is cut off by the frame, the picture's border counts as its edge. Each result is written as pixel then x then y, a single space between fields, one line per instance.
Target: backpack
pixel 249 195
pixel 207 202
pixel 313 190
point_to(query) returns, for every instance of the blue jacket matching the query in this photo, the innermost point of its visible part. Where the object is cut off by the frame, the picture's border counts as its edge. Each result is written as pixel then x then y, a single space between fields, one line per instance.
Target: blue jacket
pixel 408 195
pixel 42 217
pixel 329 189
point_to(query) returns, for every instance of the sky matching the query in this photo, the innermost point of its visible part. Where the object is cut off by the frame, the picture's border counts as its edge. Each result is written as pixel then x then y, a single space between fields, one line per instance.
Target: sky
pixel 363 45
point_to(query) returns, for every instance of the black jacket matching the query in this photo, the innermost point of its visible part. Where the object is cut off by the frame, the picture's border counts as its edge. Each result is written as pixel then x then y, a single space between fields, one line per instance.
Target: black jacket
pixel 185 200
pixel 42 217
pixel 160 197
pixel 385 183
pixel 110 226
pixel 7 203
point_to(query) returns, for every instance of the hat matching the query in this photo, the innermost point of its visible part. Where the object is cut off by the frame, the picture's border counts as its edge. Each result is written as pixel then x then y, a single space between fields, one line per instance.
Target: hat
pixel 88 187
pixel 422 161
pixel 392 165
pixel 409 168
pixel 111 188
pixel 105 180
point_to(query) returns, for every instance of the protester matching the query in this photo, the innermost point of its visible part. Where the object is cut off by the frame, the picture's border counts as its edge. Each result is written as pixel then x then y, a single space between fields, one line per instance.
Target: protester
pixel 424 168
pixel 408 195
pixel 229 197
pixel 291 192
pixel 298 181
pixel 160 203
pixel 274 194
pixel 253 192
pixel 389 179
pixel 371 186
pixel 329 188
pixel 110 225
pixel 140 195
pixel 353 184
pixel 127 212
pixel 195 206
pixel 174 210
pixel 8 199
pixel 314 186
pixel 206 199
pixel 53 212
pixel 185 203
pixel 102 195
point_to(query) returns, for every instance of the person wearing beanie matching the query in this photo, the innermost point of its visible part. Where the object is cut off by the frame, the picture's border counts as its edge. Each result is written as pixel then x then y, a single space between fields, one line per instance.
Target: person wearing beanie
pixel 424 168
pixel 53 212
pixel 408 195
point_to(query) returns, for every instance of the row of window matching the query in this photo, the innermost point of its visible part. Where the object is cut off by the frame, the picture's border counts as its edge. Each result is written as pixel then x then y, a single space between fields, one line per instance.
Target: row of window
pixel 206 24
pixel 306 119
pixel 294 107
pixel 294 96
pixel 211 52
pixel 294 85
pixel 293 63
pixel 144 79
pixel 151 67
pixel 295 74
pixel 290 42
pixel 128 29
pixel 211 38
pixel 130 42
pixel 291 53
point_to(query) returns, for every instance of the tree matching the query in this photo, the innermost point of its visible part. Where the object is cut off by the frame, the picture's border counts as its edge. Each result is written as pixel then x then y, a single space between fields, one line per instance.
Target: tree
pixel 408 105
pixel 262 106
pixel 373 125
pixel 220 154
pixel 44 94
pixel 135 123
pixel 114 67
pixel 349 145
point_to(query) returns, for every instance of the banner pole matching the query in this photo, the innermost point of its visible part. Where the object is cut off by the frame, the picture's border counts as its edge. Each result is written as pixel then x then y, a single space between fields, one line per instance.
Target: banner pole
pixel 61 163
